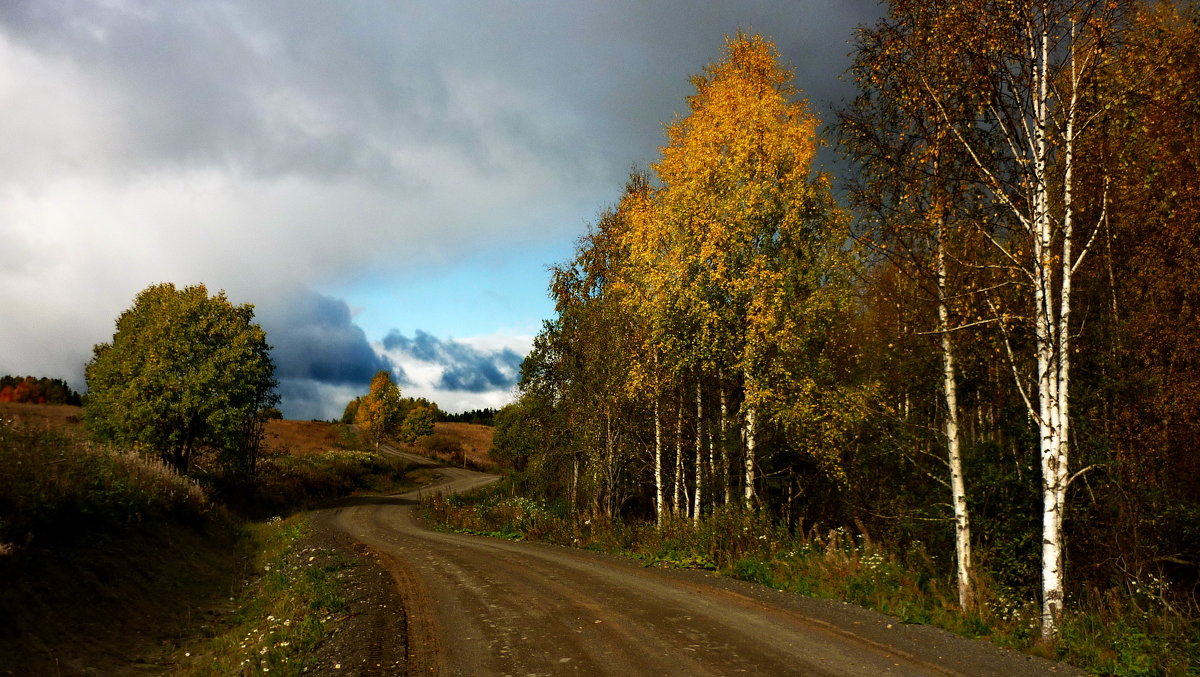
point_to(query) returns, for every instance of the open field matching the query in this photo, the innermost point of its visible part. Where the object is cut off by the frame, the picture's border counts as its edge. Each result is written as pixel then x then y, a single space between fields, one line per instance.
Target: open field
pixel 297 438
pixel 301 438
pixel 475 439
pixel 458 444
pixel 62 417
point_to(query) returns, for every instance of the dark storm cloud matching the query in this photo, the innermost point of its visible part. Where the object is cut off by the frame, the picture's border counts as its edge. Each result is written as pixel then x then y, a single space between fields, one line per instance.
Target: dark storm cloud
pixel 304 399
pixel 464 367
pixel 314 338
pixel 334 89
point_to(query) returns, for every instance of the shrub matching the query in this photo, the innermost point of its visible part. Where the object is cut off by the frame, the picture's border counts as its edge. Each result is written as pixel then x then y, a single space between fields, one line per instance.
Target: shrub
pixel 443 446
pixel 288 482
pixel 55 488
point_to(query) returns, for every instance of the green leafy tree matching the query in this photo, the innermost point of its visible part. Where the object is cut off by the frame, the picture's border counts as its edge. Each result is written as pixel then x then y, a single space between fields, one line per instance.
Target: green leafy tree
pixel 418 423
pixel 513 441
pixel 379 414
pixel 184 371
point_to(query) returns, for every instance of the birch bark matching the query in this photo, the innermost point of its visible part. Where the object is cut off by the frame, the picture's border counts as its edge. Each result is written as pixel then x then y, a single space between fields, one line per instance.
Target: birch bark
pixel 748 489
pixel 699 454
pixel 958 489
pixel 658 476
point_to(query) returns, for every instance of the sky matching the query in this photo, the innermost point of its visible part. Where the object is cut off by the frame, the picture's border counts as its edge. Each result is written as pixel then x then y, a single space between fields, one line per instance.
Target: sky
pixel 387 182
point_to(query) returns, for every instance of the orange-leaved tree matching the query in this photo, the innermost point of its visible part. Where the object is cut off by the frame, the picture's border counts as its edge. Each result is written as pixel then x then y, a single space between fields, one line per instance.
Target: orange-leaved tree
pixel 746 251
pixel 379 414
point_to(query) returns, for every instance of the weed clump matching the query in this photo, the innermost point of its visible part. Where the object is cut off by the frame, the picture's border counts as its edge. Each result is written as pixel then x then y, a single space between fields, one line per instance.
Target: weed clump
pixel 55 488
pixel 283 612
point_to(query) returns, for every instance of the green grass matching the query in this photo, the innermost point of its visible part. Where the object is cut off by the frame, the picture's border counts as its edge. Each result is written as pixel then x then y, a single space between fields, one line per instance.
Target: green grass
pixel 283 612
pixel 1111 632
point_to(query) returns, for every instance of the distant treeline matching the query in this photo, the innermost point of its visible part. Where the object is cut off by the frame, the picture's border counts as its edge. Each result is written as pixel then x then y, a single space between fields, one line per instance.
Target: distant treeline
pixel 33 390
pixel 485 416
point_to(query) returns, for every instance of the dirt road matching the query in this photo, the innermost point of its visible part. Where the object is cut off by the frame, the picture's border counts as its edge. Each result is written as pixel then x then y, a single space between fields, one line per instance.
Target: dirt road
pixel 485 606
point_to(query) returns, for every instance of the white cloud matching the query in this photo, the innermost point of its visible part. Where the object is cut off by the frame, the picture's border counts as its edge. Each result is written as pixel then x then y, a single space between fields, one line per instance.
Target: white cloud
pixel 457 374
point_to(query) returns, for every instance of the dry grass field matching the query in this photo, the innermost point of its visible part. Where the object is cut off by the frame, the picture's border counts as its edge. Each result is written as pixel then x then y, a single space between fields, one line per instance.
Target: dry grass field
pixel 297 438
pixel 62 417
pixel 476 439
pixel 302 438
pixel 458 444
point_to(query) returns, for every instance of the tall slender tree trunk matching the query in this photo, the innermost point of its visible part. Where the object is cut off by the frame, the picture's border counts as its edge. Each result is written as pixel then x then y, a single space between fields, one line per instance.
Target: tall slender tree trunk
pixel 658 475
pixel 609 460
pixel 699 453
pixel 958 489
pixel 574 481
pixel 751 430
pixel 1052 311
pixel 680 502
pixel 748 493
pixel 724 428
pixel 713 474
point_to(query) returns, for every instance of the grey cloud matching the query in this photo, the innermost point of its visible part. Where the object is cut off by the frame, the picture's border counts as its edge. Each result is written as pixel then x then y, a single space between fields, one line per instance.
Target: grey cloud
pixel 465 368
pixel 315 339
pixel 275 143
pixel 304 399
pixel 330 89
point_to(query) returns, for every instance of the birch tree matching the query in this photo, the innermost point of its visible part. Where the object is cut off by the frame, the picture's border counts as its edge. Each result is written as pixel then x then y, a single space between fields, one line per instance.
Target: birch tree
pixel 593 319
pixel 915 201
pixel 1031 61
pixel 750 228
pixel 379 414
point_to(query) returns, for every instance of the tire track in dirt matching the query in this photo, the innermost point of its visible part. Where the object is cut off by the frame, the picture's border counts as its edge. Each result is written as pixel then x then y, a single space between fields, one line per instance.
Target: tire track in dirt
pixel 479 606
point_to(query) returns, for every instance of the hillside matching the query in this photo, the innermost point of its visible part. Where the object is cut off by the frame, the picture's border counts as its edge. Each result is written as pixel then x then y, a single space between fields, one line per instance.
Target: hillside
pixel 299 438
pixel 93 589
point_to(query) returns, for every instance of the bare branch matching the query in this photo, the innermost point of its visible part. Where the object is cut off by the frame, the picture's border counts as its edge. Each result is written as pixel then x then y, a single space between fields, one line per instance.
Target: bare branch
pixel 1095 230
pixel 949 330
pixel 1012 363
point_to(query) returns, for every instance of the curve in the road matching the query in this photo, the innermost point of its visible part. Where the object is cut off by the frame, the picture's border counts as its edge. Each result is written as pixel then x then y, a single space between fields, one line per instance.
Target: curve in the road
pixel 485 606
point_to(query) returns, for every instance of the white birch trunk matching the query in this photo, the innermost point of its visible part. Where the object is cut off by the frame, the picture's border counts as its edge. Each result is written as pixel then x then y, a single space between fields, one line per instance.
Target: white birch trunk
pixel 750 430
pixel 574 482
pixel 680 502
pixel 1046 104
pixel 728 492
pixel 958 489
pixel 699 454
pixel 1052 311
pixel 748 494
pixel 658 477
pixel 712 470
pixel 610 452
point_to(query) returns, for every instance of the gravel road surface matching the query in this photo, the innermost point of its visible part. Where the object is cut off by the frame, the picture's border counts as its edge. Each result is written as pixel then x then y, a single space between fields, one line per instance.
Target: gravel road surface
pixel 483 606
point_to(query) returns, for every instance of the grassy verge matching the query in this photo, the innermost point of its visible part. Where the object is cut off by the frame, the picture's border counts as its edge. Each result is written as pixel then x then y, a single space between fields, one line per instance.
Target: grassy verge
pixel 1113 633
pixel 283 612
pixel 110 559
pixel 56 490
